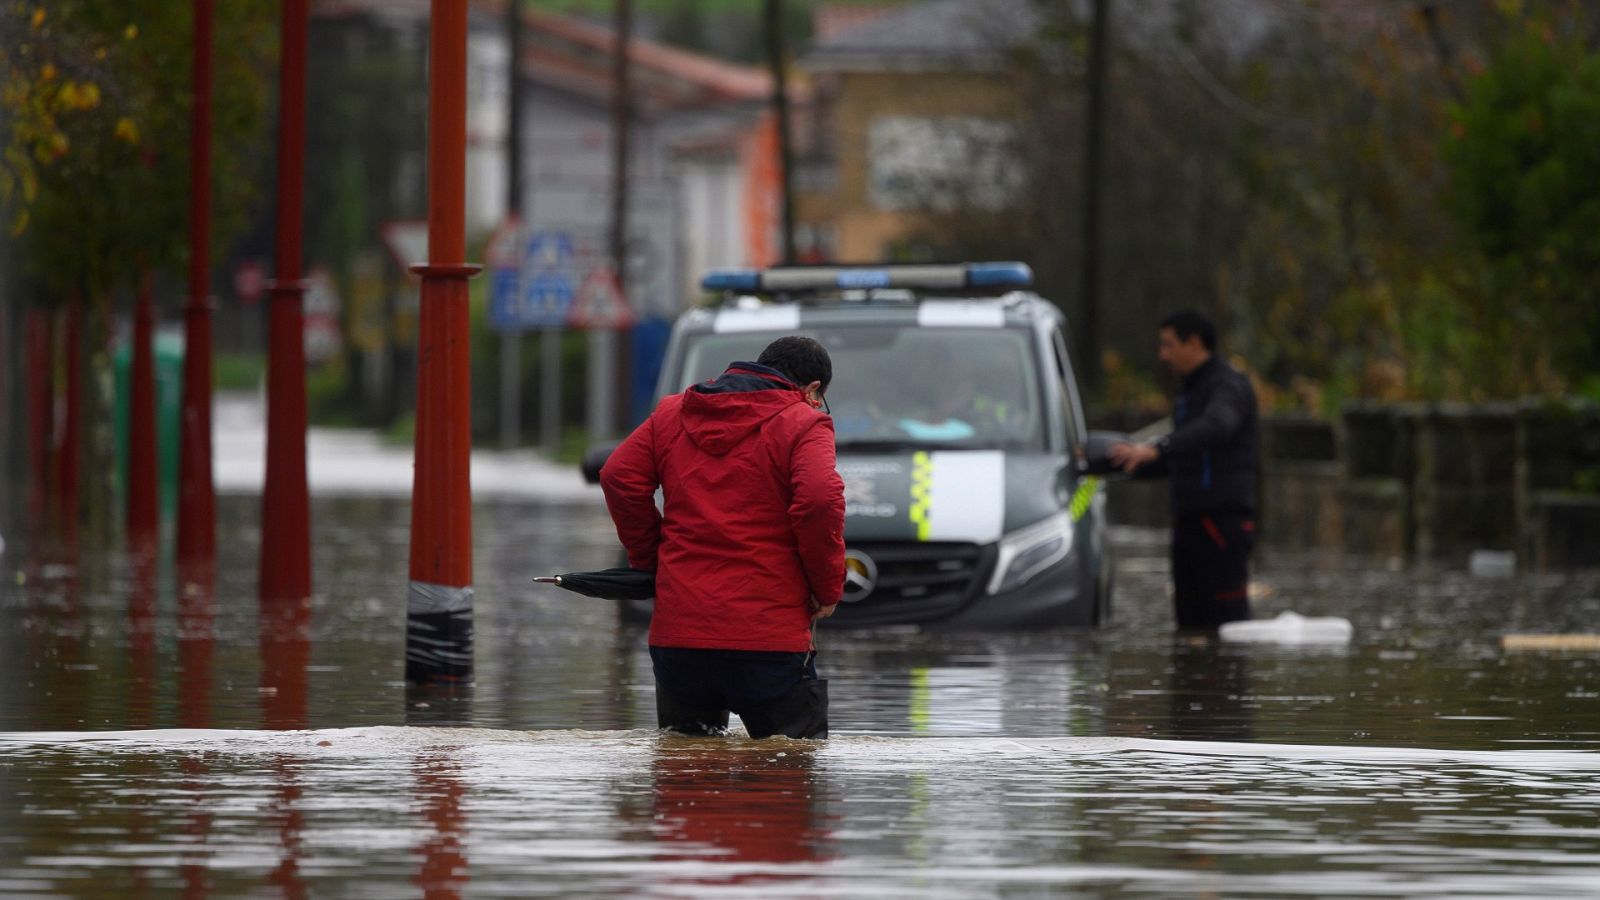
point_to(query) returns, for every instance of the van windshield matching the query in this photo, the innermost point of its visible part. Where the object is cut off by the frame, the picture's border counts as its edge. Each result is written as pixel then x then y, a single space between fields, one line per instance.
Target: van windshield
pixel 903 387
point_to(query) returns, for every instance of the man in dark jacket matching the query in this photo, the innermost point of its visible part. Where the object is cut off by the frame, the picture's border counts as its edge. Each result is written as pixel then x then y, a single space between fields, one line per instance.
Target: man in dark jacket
pixel 1210 458
pixel 748 547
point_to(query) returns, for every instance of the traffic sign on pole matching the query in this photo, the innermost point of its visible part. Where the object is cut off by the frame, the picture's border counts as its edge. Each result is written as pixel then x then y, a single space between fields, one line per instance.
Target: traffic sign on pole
pixel 534 289
pixel 600 304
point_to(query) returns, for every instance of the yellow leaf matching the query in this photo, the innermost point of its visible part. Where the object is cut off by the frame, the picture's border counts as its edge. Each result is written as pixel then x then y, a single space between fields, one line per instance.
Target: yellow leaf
pixel 89 96
pixel 127 131
pixel 20 223
pixel 48 73
pixel 38 17
pixel 131 32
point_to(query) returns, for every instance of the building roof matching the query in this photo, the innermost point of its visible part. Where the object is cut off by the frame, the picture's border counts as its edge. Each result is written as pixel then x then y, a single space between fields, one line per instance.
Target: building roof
pixel 936 34
pixel 979 34
pixel 577 56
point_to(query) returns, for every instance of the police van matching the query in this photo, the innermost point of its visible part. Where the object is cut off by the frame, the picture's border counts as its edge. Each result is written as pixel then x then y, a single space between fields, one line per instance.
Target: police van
pixel 960 434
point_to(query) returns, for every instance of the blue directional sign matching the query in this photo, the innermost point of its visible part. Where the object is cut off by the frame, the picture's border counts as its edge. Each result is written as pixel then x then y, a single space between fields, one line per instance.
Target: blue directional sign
pixel 539 292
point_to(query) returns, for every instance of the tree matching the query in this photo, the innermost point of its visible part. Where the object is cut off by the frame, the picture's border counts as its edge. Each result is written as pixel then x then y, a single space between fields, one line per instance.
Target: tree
pixel 95 172
pixel 1523 159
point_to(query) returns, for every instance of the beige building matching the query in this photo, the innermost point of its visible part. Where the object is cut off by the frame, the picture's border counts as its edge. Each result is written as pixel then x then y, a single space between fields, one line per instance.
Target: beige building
pixel 914 111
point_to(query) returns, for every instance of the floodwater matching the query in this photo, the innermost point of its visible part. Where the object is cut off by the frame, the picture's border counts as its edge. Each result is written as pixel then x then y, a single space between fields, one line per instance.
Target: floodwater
pixel 155 745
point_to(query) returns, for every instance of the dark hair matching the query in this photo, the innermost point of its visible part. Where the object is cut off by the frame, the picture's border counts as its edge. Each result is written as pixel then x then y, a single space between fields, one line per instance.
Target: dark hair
pixel 1189 322
pixel 801 358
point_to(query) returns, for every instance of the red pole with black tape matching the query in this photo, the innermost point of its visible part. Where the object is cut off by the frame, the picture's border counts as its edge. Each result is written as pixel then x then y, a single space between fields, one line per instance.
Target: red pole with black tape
pixel 439 601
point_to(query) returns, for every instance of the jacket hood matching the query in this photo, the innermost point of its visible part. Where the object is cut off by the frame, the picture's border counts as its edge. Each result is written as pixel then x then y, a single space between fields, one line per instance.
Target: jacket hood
pixel 720 413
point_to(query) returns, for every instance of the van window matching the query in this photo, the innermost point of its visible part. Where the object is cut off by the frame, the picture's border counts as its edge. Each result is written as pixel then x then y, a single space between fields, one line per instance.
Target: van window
pixel 906 387
pixel 1071 406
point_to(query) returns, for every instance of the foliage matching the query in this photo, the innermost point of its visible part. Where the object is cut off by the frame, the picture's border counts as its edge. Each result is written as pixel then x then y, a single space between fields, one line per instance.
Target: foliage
pixel 1523 157
pixel 1380 200
pixel 238 371
pixel 95 151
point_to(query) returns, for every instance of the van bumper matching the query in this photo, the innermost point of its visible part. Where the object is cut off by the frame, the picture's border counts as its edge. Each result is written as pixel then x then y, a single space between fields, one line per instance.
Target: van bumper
pixel 1062 595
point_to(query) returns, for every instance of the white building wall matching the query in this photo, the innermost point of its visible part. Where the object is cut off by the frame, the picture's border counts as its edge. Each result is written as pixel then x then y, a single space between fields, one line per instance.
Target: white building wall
pixel 488 56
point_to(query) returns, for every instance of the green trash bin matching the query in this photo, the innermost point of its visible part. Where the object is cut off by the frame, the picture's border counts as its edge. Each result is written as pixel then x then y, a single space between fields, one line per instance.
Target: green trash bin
pixel 169 402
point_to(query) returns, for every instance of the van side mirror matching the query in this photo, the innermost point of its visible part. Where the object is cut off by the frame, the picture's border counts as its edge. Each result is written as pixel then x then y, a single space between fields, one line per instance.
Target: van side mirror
pixel 595 457
pixel 1096 450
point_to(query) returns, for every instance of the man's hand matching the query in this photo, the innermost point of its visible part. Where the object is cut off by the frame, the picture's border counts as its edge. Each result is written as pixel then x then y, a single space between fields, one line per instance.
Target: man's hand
pixel 819 612
pixel 1129 457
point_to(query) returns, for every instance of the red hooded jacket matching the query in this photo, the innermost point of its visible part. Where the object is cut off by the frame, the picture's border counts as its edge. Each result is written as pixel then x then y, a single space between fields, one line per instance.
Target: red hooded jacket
pixel 752 525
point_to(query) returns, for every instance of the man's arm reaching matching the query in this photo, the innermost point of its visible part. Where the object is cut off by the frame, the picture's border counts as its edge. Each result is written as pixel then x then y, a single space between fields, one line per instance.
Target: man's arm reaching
pixel 1210 430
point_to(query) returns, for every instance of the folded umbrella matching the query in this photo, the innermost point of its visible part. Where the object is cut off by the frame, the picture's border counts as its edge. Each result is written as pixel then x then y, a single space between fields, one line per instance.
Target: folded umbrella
pixel 620 583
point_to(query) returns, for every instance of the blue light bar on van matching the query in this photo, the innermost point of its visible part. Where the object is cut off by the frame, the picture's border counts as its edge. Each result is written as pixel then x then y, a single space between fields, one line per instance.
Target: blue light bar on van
pixel 966 276
pixel 999 275
pixel 731 280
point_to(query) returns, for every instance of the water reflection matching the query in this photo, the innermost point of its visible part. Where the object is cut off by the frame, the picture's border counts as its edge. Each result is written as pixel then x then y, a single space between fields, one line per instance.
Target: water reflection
pixel 443 872
pixel 1208 691
pixel 142 628
pixel 285 642
pixel 286 817
pixel 196 642
pixel 746 806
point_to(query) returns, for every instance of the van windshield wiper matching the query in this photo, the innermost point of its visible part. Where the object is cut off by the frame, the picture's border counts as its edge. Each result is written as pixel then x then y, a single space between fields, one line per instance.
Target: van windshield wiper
pixel 898 445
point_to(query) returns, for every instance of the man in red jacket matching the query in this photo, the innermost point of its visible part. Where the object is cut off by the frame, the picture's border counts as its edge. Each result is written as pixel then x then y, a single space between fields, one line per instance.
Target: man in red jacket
pixel 748 548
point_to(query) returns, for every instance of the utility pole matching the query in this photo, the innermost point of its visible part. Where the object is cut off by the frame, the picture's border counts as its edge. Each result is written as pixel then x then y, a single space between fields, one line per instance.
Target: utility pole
pixel 780 110
pixel 285 498
pixel 510 339
pixel 197 538
pixel 608 350
pixel 439 603
pixel 1088 326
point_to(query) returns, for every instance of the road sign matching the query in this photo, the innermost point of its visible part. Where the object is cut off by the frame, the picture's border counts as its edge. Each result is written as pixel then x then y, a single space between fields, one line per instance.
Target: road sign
pixel 407 241
pixel 548 280
pixel 505 245
pixel 504 299
pixel 600 304
pixel 533 289
pixel 322 337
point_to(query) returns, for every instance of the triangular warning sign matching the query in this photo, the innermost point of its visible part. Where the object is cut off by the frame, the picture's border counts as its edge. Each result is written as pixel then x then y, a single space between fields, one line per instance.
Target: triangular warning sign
pixel 504 250
pixel 600 303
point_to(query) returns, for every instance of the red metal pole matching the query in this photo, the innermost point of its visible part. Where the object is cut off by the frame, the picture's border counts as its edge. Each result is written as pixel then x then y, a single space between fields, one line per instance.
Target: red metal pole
pixel 439 603
pixel 285 500
pixel 197 539
pixel 67 474
pixel 143 524
pixel 41 399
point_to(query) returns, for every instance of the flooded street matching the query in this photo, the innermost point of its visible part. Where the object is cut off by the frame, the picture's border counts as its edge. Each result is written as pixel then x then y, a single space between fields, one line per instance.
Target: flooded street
pixel 150 746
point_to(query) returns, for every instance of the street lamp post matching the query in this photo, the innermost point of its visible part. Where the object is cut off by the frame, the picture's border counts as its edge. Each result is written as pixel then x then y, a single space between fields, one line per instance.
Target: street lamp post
pixel 197 540
pixel 439 602
pixel 285 501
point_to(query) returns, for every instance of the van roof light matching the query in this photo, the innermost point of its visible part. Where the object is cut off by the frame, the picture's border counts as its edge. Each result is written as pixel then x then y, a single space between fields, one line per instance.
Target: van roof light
pixel 795 279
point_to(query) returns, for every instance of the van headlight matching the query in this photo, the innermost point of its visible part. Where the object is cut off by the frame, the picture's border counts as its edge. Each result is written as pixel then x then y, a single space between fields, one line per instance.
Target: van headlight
pixel 1026 552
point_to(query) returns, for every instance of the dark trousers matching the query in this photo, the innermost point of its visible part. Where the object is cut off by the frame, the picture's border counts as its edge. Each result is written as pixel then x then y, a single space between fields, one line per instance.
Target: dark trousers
pixel 1211 568
pixel 773 692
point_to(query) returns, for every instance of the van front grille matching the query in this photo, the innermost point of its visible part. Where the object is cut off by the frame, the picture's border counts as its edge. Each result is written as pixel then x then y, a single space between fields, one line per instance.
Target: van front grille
pixel 917 582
